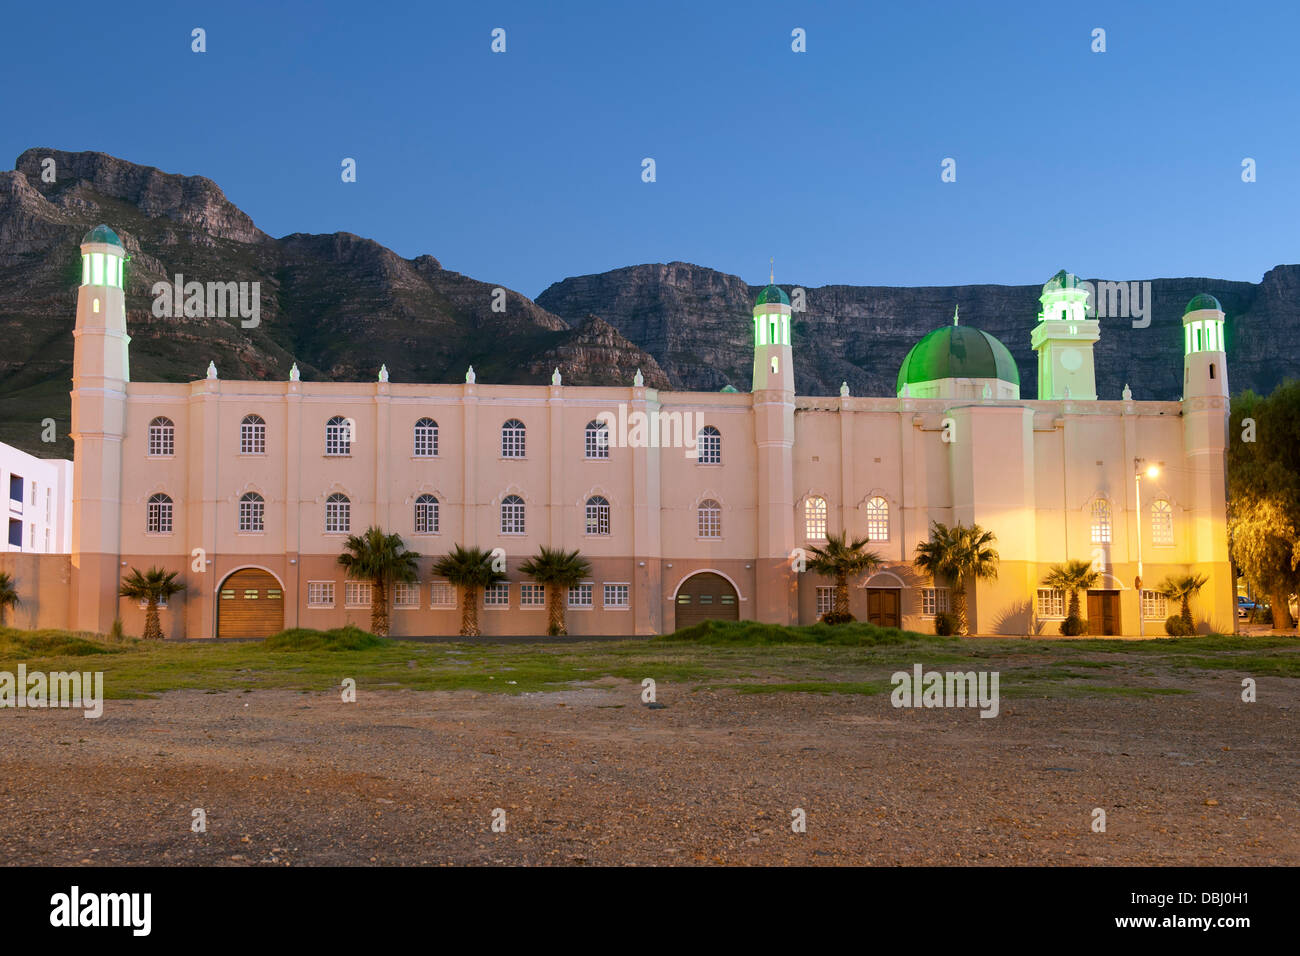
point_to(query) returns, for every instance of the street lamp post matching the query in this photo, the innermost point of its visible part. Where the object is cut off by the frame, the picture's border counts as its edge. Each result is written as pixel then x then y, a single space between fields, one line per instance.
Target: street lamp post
pixel 1151 472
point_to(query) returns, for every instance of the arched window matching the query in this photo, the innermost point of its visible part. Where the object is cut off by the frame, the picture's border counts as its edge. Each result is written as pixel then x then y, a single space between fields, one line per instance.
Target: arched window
pixel 597 440
pixel 338 436
pixel 1101 521
pixel 159 518
pixel 426 515
pixel 877 519
pixel 426 438
pixel 252 435
pixel 512 515
pixel 814 513
pixel 1162 522
pixel 338 514
pixel 162 438
pixel 709 519
pixel 597 515
pixel 252 512
pixel 512 439
pixel 708 446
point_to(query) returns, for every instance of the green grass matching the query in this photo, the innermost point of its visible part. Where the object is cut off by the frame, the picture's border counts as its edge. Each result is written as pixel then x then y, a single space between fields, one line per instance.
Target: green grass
pixel 744 657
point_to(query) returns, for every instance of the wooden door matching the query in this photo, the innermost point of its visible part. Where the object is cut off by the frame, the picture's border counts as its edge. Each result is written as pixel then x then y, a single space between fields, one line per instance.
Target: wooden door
pixel 705 596
pixel 250 604
pixel 883 606
pixel 1103 612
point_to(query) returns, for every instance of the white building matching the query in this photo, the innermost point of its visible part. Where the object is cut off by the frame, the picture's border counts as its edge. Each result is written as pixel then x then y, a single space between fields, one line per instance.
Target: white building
pixel 39 502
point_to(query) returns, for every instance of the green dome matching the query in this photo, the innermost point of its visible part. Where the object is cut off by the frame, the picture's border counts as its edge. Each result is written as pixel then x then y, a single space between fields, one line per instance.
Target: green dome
pixel 957 351
pixel 103 234
pixel 1203 301
pixel 728 388
pixel 772 294
pixel 1062 280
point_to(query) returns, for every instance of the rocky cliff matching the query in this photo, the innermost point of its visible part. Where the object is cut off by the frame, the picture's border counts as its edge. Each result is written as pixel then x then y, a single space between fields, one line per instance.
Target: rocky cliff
pixel 341 306
pixel 338 304
pixel 696 322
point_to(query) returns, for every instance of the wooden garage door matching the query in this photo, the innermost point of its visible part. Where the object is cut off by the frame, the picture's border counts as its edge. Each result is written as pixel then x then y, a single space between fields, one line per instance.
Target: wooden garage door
pixel 706 596
pixel 250 604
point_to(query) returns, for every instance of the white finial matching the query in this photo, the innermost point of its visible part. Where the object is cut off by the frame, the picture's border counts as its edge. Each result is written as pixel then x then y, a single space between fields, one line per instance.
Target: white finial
pixel 955 310
pixel 294 374
pixel 907 389
pixel 469 376
pixel 638 380
pixel 844 389
pixel 212 371
pixel 1127 394
pixel 555 376
pixel 383 373
pixel 988 392
pixel 771 276
pixel 1067 393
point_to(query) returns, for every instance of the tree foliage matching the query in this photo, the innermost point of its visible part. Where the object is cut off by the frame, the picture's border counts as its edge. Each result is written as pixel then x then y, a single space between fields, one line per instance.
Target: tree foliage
pixel 1264 494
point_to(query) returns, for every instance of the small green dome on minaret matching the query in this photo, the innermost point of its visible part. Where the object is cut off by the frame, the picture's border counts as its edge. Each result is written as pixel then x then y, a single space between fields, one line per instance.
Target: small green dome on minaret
pixel 772 293
pixel 102 233
pixel 1062 280
pixel 1203 301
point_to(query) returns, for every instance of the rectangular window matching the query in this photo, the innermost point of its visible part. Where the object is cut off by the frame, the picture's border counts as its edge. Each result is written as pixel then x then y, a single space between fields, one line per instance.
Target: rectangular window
pixel 16 490
pixel 580 596
pixel 357 594
pixel 406 594
pixel 496 595
pixel 16 533
pixel 532 595
pixel 442 594
pixel 618 595
pixel 934 601
pixel 825 600
pixel 162 604
pixel 319 594
pixel 1155 606
pixel 1051 603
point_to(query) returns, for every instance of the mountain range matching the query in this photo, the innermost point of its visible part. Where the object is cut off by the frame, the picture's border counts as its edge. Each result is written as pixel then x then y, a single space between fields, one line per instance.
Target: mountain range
pixel 341 306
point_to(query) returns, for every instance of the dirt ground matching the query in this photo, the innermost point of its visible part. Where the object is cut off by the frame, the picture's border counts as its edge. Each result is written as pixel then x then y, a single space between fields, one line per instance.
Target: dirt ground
pixel 594 776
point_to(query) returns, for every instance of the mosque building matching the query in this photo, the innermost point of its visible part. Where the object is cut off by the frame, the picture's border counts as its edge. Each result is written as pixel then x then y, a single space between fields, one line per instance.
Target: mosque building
pixel 248 489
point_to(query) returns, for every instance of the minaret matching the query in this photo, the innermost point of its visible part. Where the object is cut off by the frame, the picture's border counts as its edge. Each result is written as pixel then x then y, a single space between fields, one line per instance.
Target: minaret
pixel 1063 339
pixel 775 586
pixel 100 373
pixel 1205 444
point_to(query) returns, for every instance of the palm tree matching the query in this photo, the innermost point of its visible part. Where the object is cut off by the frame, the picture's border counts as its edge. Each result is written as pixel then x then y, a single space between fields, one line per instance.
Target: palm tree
pixel 1072 577
pixel 1183 587
pixel 558 570
pixel 8 595
pixel 471 569
pixel 152 586
pixel 840 559
pixel 381 559
pixel 956 554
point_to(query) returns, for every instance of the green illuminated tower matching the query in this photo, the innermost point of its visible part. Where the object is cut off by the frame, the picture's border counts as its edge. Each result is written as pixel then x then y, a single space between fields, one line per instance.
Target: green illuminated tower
pixel 100 373
pixel 1205 443
pixel 774 435
pixel 1063 339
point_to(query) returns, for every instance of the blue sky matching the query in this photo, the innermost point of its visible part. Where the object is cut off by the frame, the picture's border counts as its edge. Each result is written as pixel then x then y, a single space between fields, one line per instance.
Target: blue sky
pixel 525 167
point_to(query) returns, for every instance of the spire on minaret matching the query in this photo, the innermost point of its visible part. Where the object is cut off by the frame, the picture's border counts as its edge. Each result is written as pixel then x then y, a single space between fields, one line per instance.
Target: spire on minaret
pixel 955 310
pixel 771 276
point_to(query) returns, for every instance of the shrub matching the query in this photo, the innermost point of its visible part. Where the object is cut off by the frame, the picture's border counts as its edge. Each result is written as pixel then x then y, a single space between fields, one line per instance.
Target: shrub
pixel 115 633
pixel 1175 626
pixel 945 623
pixel 1073 626
pixel 1261 615
pixel 349 638
pixel 830 617
pixel 751 633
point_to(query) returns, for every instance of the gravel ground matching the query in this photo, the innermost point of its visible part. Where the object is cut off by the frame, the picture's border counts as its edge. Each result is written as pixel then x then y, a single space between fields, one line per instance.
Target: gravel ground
pixel 593 776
